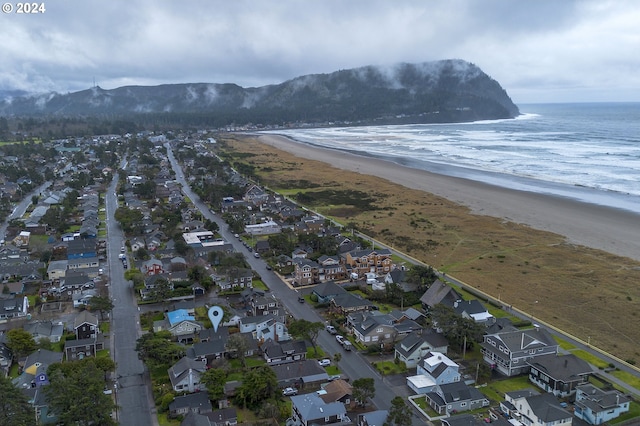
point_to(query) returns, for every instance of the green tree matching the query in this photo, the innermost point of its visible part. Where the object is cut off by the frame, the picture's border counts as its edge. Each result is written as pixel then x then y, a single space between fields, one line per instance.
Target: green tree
pixel 214 379
pixel 423 276
pixel 158 349
pixel 20 342
pixel 399 413
pixel 101 304
pixel 258 384
pixel 304 329
pixel 363 390
pixel 457 329
pixel 75 393
pixel 14 405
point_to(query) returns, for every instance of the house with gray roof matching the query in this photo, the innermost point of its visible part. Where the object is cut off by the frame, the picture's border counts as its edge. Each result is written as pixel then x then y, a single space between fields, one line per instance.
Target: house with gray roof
pixel 596 406
pixel 439 292
pixel 376 328
pixel 300 373
pixel 474 310
pixel 185 375
pixel 14 307
pixel 559 374
pixel 47 330
pixel 433 370
pixel 509 352
pixel 539 410
pixel 455 397
pixel 281 352
pixel 264 327
pixel 35 365
pixel 373 418
pixel 198 403
pixel 348 302
pixel 309 409
pixel 56 269
pixel 417 344
pixel 326 291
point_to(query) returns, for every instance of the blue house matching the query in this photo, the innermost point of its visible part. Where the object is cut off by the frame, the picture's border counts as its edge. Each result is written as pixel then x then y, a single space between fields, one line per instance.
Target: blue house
pixel 596 406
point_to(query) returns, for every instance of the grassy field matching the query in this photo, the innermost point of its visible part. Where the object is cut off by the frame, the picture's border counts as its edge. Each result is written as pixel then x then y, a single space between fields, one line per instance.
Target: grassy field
pixel 586 292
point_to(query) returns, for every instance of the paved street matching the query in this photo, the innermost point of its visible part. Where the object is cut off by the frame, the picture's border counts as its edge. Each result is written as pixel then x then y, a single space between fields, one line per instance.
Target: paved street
pixel 133 385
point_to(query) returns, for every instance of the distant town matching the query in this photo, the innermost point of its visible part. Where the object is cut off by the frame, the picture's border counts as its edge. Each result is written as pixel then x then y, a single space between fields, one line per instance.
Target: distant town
pixel 114 247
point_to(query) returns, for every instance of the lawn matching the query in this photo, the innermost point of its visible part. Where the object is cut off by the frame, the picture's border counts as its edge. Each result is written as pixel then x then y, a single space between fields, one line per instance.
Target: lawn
pixel 564 344
pixel 389 367
pixel 591 359
pixel 628 378
pixel 495 390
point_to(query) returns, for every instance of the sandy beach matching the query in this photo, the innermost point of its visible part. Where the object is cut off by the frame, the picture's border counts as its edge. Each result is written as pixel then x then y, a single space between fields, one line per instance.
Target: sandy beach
pixel 609 229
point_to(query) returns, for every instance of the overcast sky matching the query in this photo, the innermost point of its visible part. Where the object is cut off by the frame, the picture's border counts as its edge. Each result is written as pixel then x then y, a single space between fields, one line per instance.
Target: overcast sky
pixel 538 50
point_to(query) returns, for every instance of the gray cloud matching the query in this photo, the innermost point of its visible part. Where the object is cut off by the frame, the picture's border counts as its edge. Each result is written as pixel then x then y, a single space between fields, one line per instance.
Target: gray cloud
pixel 539 51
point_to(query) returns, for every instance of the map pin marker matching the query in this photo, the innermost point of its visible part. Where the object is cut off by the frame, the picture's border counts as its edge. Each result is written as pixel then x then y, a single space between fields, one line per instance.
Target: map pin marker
pixel 215 315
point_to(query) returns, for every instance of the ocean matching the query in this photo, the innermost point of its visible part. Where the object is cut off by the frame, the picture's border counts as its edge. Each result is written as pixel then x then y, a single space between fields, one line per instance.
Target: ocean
pixel 585 151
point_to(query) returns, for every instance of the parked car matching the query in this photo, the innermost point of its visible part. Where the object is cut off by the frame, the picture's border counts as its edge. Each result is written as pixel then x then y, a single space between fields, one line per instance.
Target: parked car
pixel 324 362
pixel 331 329
pixel 290 391
pixel 300 299
pixel 340 339
pixel 347 345
pixel 268 268
pixel 334 377
pixel 256 255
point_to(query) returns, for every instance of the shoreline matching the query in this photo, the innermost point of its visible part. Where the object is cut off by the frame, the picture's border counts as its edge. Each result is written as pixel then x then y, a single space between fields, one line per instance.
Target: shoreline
pixel 610 229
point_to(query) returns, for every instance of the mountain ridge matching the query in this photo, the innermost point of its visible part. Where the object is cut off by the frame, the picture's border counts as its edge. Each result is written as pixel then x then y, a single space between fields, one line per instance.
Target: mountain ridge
pixel 440 91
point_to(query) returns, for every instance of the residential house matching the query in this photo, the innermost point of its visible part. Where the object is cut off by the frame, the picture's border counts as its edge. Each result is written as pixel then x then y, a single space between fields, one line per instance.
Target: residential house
pixel 434 369
pixel 309 409
pixel 84 263
pixel 82 348
pixel 83 298
pixel 596 406
pixel 509 352
pixel 281 352
pixel 14 307
pixel 559 375
pixel 326 291
pixel 185 375
pixel 331 268
pixel 474 310
pixel 238 278
pixel 306 272
pixel 264 327
pixel 182 325
pixel 35 369
pixel 56 269
pixel 537 410
pixel 152 266
pixel 439 292
pixel 85 325
pixel 417 344
pixel 81 249
pixel 375 328
pixel 337 391
pixel 455 397
pixel 75 282
pixel 45 330
pixel 348 303
pixel 362 261
pixel 223 417
pixel 300 374
pixel 373 418
pixel 198 403
pixel 156 285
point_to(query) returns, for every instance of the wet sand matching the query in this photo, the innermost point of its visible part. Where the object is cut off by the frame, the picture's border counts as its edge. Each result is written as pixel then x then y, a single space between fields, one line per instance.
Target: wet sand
pixel 605 228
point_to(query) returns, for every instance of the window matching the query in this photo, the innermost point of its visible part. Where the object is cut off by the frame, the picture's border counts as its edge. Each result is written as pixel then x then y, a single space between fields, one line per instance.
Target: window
pixel 463 404
pixel 379 330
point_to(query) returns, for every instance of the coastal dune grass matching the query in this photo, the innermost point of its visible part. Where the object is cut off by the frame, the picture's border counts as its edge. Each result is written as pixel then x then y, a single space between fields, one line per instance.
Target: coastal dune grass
pixel 588 293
